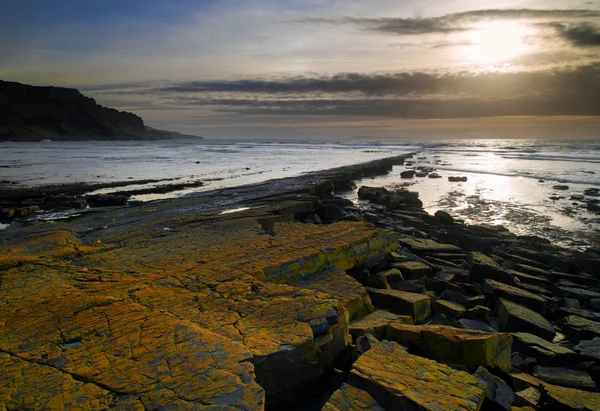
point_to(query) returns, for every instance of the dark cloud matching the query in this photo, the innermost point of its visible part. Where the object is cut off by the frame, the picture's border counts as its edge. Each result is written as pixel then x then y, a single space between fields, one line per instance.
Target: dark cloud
pixel 571 91
pixel 454 22
pixel 489 84
pixel 582 35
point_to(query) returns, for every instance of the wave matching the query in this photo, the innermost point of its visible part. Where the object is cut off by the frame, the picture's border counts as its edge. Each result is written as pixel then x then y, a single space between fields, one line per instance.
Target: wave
pixel 574 159
pixel 524 174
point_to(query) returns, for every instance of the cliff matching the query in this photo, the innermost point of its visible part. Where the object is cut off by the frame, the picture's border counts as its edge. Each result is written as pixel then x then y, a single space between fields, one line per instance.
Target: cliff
pixel 31 113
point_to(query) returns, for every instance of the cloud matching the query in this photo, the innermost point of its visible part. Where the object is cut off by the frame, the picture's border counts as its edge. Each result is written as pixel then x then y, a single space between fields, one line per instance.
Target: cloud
pixel 581 35
pixel 422 95
pixel 455 22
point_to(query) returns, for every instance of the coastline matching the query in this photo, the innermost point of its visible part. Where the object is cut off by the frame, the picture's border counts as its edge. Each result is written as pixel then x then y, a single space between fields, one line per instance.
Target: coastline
pixel 284 298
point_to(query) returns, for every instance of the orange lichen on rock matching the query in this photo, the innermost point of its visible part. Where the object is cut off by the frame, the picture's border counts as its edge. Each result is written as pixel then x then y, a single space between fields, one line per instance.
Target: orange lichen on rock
pixel 177 312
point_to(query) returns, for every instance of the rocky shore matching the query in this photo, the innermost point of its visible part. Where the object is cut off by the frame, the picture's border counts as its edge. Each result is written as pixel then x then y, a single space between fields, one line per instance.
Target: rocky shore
pixel 282 295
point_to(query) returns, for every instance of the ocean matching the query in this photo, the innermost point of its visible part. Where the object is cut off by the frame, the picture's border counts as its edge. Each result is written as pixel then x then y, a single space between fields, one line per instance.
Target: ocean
pixel 509 182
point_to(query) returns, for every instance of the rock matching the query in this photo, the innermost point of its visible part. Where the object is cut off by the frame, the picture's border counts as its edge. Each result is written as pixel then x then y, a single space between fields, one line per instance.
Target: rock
pixel 371 193
pixel 376 324
pixel 560 187
pixel 578 293
pixel 439 286
pixel 517 361
pixel 412 382
pixel 577 328
pixel 593 206
pixel 518 318
pixel 410 286
pixel 408 174
pixel 545 352
pixel 330 212
pixel 495 290
pixel 457 179
pixel 565 377
pixel 498 393
pixel 592 192
pixel 456 345
pixel 413 270
pixel 392 275
pixel 556 397
pixel 349 398
pixel 454 297
pixel 589 349
pixel 475 325
pixel 485 268
pixel 448 308
pixel 478 313
pixel 529 397
pixel 441 319
pixel 421 174
pixel 349 292
pixel 417 306
pixel 445 218
pixel 106 200
pixel 422 246
pixel 313 219
pixel 434 175
pixel 338 201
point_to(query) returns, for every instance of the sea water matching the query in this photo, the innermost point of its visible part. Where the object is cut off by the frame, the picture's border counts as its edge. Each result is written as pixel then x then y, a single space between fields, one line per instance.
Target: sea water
pixel 504 176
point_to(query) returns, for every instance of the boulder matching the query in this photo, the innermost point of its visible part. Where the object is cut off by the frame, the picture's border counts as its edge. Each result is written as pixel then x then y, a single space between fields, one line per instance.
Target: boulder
pixel 330 212
pixel 371 193
pixel 407 381
pixel 408 174
pixel 495 290
pixel 445 218
pixel 498 394
pixel 454 297
pixel 417 306
pixel 434 175
pixel 454 179
pixel 455 345
pixel 376 324
pixel 565 377
pixel 545 352
pixel 515 317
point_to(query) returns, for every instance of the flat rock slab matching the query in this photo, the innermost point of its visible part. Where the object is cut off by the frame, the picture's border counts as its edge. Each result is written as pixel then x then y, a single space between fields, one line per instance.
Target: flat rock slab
pixel 498 393
pixel 376 324
pixel 351 398
pixel 518 318
pixel 485 268
pixel 448 308
pixel 589 348
pixel 583 295
pixel 557 397
pixel 494 290
pixel 417 306
pixel 349 292
pixel 455 345
pixel 422 246
pixel 578 328
pixel 565 377
pixel 545 352
pixel 177 312
pixel 413 270
pixel 412 382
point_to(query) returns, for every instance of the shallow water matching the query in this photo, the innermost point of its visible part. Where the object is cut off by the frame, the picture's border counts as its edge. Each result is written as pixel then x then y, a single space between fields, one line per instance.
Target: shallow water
pixel 502 186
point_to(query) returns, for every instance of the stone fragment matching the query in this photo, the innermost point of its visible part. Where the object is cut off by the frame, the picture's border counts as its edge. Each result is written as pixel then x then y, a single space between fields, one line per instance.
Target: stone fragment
pixel 498 393
pixel 565 377
pixel 545 352
pixel 456 346
pixel 375 324
pixel 478 313
pixel 417 306
pixel 495 290
pixel 518 318
pixel 528 398
pixel 410 382
pixel 582 295
pixel 577 328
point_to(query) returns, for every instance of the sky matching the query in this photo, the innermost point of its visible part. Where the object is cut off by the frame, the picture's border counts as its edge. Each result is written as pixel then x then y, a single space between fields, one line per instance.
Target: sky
pixel 320 68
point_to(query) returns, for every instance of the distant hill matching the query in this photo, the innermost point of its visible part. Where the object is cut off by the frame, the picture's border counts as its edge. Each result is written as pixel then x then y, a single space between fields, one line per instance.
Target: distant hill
pixel 32 113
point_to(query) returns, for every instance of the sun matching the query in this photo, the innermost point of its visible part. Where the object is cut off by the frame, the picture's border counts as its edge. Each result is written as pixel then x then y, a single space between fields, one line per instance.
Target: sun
pixel 495 42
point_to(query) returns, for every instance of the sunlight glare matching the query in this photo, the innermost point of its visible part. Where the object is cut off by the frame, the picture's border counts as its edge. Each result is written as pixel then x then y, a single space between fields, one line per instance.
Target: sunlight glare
pixel 496 42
